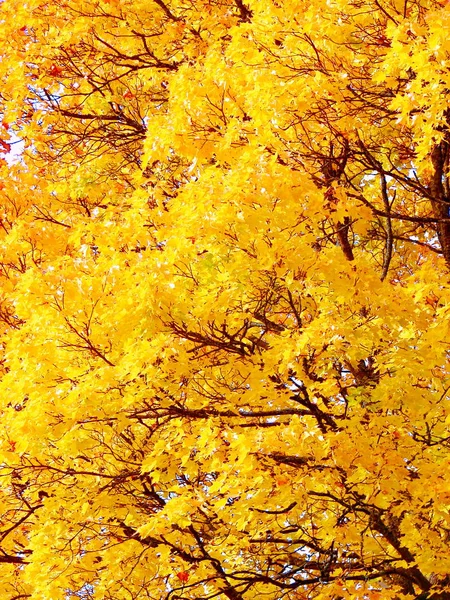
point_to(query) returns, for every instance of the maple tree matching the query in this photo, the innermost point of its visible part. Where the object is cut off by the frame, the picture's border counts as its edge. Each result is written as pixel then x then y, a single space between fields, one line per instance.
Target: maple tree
pixel 225 244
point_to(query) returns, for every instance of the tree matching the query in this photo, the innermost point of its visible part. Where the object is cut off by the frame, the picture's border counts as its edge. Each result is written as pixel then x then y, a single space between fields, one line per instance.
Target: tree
pixel 224 299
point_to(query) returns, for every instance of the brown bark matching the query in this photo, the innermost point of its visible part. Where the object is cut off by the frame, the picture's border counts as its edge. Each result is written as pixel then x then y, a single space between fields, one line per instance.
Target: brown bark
pixel 342 236
pixel 440 202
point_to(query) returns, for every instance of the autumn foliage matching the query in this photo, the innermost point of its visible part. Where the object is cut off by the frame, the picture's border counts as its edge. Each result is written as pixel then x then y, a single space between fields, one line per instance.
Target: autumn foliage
pixel 224 299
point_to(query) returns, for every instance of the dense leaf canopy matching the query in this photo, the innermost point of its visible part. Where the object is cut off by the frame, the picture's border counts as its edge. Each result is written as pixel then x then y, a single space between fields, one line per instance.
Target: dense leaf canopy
pixel 224 299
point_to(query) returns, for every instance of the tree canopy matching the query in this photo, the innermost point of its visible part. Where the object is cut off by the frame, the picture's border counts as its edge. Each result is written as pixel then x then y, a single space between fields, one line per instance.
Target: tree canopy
pixel 224 299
